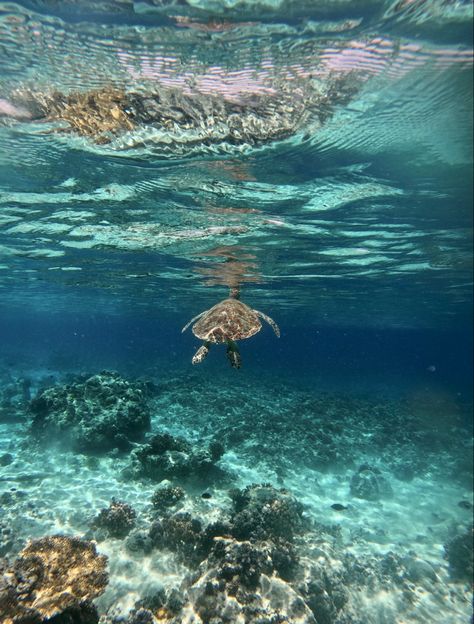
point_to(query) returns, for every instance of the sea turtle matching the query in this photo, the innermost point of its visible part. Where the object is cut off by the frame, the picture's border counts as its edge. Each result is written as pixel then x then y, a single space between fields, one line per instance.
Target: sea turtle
pixel 227 321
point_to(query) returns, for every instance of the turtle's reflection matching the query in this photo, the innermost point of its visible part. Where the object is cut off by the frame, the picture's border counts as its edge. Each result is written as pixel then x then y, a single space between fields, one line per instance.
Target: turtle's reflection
pixel 232 267
pixel 231 319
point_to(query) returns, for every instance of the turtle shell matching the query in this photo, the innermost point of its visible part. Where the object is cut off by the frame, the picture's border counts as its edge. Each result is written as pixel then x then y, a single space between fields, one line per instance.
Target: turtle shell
pixel 228 320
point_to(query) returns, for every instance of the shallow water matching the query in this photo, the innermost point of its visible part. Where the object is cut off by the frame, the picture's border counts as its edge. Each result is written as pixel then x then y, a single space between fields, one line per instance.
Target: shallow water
pixel 317 156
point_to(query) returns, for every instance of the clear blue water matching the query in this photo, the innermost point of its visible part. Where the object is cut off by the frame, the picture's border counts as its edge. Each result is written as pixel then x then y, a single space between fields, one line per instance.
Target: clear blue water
pixel 318 155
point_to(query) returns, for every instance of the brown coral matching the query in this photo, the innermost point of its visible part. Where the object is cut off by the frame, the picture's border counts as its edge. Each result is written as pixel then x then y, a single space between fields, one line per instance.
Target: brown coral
pixel 50 576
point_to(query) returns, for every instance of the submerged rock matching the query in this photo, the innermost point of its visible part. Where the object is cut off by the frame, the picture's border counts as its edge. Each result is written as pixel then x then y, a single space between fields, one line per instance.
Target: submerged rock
pixel 459 553
pixel 9 540
pixel 370 484
pixel 6 459
pixel 102 412
pixel 138 542
pixel 419 570
pixel 404 470
pixel 14 399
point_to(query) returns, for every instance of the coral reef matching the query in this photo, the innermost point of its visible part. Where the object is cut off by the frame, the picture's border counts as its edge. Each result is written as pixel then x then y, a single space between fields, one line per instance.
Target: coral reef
pixel 386 572
pixel 263 512
pixel 236 583
pixel 216 449
pixel 96 414
pixel 324 591
pixel 159 605
pixel 52 576
pixel 320 430
pixel 167 496
pixel 260 513
pixel 167 457
pixel 244 562
pixel 252 554
pixel 459 553
pixel 118 519
pixel 182 534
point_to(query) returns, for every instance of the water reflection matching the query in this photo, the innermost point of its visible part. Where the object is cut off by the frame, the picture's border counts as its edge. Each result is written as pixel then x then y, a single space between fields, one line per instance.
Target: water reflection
pixel 229 265
pixel 185 115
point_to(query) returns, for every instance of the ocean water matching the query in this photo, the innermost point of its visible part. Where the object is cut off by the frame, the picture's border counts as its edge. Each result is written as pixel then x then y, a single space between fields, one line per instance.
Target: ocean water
pixel 313 160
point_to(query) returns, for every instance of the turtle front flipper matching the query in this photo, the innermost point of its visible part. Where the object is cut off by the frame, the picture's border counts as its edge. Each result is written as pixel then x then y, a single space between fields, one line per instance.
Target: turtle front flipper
pixel 233 354
pixel 195 318
pixel 270 321
pixel 201 353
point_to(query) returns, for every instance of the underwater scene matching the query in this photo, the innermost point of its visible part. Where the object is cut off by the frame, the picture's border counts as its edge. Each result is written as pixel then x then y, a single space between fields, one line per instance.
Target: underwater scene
pixel 236 312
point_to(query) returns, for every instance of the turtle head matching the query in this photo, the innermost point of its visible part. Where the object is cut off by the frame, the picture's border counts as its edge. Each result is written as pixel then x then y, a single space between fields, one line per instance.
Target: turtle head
pixel 234 292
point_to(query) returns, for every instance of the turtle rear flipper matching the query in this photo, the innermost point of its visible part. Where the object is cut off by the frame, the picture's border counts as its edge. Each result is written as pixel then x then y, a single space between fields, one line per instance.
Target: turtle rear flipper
pixel 270 321
pixel 201 353
pixel 233 354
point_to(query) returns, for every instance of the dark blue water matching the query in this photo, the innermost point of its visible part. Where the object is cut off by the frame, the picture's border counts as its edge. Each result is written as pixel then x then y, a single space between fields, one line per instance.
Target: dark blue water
pixel 348 359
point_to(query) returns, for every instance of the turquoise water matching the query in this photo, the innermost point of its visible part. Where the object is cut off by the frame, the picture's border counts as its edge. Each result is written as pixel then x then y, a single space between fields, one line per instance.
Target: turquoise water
pixel 316 158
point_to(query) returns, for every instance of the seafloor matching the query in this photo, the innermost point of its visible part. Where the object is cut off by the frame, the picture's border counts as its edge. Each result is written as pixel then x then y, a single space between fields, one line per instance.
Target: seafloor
pixel 243 503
